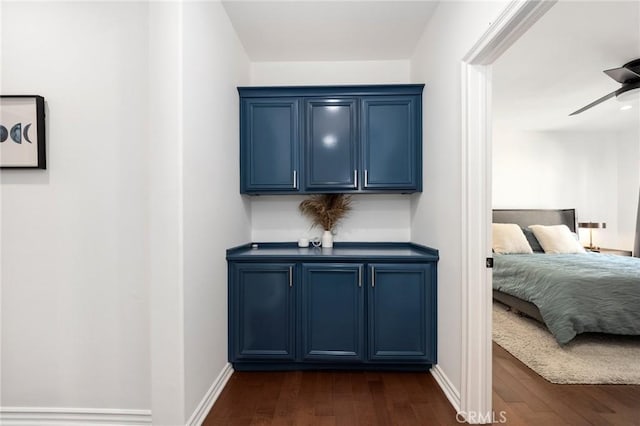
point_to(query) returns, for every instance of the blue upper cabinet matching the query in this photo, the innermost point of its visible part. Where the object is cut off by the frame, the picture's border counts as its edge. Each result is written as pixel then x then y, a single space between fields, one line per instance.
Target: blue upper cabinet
pixel 270 137
pixel 331 139
pixel 391 151
pixel 330 145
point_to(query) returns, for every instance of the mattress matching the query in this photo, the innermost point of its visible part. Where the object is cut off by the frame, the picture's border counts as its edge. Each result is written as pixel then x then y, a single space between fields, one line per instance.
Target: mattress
pixel 575 293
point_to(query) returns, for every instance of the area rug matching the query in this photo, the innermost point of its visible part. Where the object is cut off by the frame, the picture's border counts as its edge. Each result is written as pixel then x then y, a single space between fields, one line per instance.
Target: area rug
pixel 590 358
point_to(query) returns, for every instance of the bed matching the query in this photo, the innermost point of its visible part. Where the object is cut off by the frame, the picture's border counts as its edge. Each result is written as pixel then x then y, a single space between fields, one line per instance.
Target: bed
pixel 569 293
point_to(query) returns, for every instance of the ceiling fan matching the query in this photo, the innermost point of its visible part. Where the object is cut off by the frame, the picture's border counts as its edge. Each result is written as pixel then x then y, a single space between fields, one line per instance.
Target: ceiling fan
pixel 628 75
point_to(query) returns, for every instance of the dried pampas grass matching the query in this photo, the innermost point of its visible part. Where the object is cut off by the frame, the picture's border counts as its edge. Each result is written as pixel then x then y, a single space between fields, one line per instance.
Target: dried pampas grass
pixel 326 210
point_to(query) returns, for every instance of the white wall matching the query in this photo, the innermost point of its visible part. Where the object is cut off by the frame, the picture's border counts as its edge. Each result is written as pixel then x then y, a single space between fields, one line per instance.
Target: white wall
pixel 345 72
pixel 628 186
pixel 166 228
pixel 196 210
pixel 215 215
pixel 75 310
pixel 374 217
pixel 113 269
pixel 437 212
pixel 597 173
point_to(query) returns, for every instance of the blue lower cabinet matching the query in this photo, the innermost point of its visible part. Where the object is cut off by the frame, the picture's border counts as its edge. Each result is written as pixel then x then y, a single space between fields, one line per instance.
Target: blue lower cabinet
pixel 402 313
pixel 332 305
pixel 367 306
pixel 262 311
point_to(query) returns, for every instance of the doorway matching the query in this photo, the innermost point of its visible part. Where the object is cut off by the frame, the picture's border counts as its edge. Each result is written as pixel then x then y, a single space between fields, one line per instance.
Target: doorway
pixel 477 133
pixel 516 19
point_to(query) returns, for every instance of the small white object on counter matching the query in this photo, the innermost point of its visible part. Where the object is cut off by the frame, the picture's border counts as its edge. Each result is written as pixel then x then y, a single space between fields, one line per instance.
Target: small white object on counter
pixel 327 239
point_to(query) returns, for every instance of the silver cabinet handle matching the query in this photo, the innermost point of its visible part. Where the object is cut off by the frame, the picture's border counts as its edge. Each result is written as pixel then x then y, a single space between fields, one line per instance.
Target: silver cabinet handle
pixel 373 276
pixel 290 276
pixel 366 178
pixel 295 179
pixel 355 178
pixel 359 276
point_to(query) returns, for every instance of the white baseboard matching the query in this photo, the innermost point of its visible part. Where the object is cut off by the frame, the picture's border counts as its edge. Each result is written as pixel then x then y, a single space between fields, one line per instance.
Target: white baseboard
pixel 450 391
pixel 201 411
pixel 54 416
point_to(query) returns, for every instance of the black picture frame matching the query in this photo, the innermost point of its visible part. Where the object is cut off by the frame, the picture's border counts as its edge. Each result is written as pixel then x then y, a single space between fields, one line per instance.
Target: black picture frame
pixel 18 115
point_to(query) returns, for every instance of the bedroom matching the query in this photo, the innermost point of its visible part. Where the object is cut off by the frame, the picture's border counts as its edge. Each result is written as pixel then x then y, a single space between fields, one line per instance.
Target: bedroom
pixel 589 161
pixel 545 159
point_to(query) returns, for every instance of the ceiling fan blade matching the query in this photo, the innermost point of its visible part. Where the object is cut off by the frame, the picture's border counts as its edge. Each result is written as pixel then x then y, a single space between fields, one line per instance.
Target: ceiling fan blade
pixel 594 103
pixel 622 75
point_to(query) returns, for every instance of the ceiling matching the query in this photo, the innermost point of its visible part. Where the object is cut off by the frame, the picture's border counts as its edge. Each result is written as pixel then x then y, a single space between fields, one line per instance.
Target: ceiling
pixel 556 68
pixel 552 70
pixel 329 30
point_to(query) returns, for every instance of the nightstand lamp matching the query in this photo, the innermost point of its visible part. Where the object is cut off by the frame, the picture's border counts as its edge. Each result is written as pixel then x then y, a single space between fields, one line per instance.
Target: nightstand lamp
pixel 591 226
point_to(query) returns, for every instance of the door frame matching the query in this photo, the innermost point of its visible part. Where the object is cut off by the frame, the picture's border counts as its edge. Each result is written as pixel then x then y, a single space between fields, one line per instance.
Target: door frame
pixel 476 388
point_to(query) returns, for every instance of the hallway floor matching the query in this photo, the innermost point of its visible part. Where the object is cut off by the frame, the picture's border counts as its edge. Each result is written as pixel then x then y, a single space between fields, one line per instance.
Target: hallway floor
pixel 372 398
pixel 331 398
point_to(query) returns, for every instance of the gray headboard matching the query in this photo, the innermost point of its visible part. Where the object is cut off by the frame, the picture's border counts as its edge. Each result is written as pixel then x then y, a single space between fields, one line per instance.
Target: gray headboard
pixel 526 217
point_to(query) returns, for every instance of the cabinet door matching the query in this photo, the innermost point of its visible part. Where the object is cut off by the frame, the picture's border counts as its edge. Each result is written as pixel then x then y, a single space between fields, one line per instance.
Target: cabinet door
pixel 392 143
pixel 330 144
pixel 332 312
pixel 269 140
pixel 261 311
pixel 402 313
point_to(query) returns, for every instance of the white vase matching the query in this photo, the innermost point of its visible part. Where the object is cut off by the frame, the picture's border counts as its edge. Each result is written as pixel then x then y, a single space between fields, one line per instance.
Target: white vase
pixel 327 239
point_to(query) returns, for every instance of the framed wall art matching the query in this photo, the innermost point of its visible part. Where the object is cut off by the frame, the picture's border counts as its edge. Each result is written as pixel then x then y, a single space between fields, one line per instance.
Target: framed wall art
pixel 22 132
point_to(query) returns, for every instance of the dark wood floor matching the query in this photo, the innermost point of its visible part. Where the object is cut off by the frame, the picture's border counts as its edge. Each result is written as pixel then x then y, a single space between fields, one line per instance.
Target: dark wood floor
pixel 331 398
pixel 528 399
pixel 365 398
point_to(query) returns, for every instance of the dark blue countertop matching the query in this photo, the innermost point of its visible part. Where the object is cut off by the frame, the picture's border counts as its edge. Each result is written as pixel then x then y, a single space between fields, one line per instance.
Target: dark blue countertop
pixel 400 252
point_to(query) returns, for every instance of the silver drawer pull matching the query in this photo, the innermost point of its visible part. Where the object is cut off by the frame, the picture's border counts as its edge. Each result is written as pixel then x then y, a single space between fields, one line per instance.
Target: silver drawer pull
pixel 290 276
pixel 366 178
pixel 355 178
pixel 359 276
pixel 373 276
pixel 295 179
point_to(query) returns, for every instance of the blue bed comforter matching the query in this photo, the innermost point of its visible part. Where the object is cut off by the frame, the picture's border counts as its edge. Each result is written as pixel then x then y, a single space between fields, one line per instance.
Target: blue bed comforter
pixel 575 293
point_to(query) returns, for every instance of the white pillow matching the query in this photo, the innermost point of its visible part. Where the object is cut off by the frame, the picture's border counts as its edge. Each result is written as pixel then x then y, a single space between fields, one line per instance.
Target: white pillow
pixel 556 239
pixel 508 238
